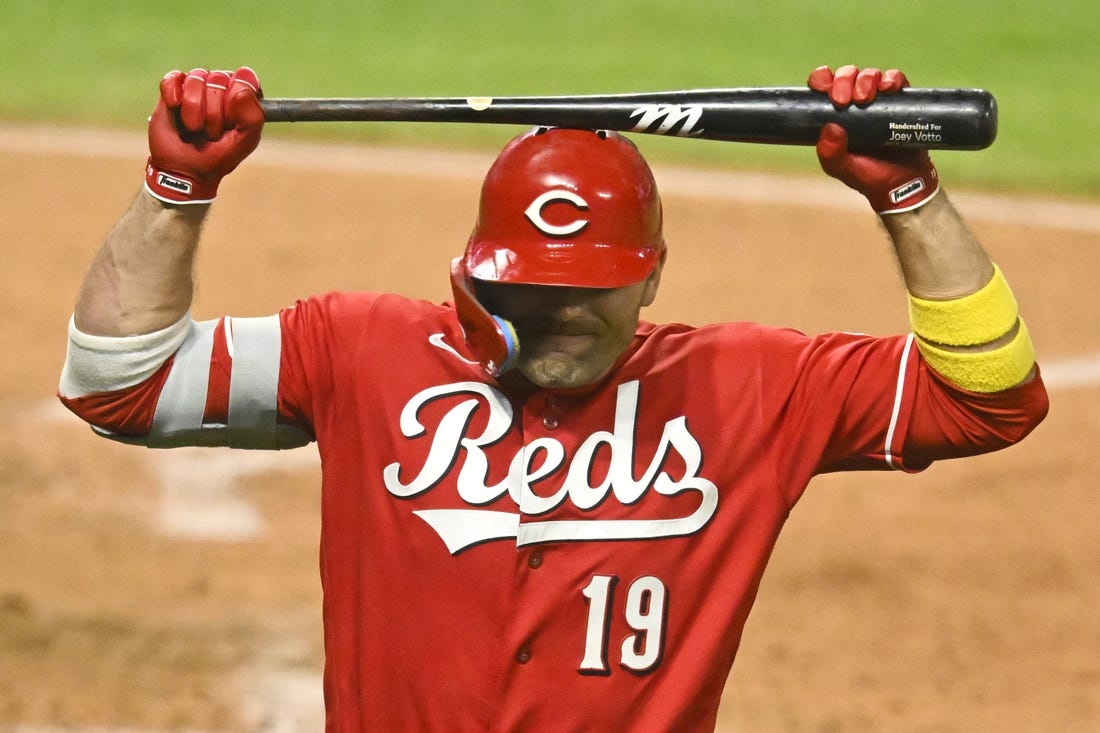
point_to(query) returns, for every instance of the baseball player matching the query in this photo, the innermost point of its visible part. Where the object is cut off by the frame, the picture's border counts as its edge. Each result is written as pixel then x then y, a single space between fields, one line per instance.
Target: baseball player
pixel 540 512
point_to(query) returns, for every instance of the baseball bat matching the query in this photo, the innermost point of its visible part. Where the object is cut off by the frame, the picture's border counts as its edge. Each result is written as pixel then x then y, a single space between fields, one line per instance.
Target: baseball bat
pixel 946 119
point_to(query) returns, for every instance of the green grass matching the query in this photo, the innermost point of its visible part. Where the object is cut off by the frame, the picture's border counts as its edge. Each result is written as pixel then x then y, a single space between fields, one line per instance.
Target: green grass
pixel 98 63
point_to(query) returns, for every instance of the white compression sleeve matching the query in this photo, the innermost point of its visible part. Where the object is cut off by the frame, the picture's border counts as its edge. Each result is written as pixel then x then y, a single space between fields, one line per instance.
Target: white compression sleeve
pixel 108 363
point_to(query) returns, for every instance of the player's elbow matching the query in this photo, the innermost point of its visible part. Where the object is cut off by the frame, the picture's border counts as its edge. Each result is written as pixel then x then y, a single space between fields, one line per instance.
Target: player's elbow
pixel 1033 407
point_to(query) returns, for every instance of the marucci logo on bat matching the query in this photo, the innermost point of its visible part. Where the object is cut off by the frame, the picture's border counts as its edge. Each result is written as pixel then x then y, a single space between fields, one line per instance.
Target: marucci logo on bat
pixel 673 115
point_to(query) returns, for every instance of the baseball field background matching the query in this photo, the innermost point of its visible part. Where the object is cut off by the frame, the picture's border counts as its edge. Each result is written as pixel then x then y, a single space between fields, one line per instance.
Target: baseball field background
pixel 147 592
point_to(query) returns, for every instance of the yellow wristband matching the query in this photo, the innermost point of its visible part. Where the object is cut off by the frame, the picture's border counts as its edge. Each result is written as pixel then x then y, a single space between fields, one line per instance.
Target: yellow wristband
pixel 974 319
pixel 983 371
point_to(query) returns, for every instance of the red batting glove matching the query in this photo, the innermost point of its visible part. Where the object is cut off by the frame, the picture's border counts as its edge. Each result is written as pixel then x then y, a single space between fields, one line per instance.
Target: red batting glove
pixel 204 125
pixel 892 180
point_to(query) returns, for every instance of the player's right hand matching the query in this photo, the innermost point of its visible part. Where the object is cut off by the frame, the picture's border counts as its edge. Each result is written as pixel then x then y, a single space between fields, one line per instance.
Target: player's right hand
pixel 204 125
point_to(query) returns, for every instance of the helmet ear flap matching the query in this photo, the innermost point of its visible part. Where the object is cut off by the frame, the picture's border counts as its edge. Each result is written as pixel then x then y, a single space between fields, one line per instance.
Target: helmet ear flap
pixel 492 339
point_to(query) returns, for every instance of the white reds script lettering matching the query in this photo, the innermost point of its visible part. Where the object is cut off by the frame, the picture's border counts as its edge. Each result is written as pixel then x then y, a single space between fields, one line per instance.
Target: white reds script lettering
pixel 539 459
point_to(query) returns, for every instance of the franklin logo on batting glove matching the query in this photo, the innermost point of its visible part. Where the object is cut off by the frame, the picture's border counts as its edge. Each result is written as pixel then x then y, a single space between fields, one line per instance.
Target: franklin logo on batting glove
pixel 178 184
pixel 903 192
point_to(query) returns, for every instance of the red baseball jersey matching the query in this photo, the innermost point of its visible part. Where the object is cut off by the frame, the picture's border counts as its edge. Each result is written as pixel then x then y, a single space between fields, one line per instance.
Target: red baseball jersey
pixel 538 560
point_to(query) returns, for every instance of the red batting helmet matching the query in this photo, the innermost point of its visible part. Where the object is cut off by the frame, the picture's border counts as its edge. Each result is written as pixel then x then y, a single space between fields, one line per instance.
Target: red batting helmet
pixel 558 207
pixel 567 207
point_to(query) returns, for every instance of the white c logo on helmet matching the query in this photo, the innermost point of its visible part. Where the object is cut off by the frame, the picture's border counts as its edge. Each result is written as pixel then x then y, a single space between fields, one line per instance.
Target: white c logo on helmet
pixel 534 213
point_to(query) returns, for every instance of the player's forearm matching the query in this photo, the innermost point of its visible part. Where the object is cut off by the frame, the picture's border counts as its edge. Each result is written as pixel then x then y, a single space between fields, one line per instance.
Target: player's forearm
pixel 961 308
pixel 141 279
pixel 940 258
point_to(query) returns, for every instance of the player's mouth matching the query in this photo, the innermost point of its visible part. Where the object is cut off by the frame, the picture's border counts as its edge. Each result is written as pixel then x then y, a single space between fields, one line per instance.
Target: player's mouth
pixel 566 343
pixel 567 337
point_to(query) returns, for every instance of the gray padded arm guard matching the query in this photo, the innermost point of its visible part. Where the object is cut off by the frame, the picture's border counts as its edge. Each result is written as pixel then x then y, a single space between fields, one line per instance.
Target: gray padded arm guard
pixel 95 364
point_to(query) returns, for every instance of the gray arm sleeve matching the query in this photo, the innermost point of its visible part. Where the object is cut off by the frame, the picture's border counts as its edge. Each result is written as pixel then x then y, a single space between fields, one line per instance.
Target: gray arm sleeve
pixel 255 344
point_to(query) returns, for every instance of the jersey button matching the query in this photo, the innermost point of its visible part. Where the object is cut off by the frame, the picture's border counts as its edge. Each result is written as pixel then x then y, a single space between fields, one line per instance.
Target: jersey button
pixel 550 422
pixel 535 560
pixel 523 656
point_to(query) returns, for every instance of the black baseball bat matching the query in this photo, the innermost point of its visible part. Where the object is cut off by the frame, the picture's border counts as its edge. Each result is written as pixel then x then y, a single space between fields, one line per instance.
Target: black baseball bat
pixel 946 119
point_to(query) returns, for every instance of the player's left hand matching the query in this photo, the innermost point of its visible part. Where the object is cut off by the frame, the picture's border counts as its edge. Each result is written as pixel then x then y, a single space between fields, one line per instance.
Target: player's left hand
pixel 892 180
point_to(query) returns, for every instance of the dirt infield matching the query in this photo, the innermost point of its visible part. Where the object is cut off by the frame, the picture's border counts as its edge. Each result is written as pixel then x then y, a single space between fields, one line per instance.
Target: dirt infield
pixel 168 591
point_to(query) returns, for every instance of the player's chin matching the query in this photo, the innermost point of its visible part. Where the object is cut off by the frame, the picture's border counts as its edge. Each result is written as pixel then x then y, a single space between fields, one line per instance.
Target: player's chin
pixel 559 370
